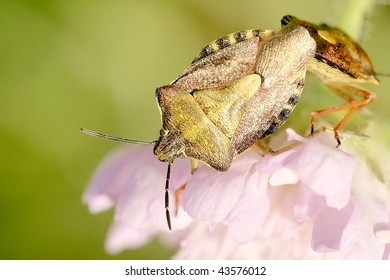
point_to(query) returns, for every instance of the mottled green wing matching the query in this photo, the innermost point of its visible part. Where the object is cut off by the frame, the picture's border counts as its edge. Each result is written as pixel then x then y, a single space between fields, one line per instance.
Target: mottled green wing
pixel 189 132
pixel 224 106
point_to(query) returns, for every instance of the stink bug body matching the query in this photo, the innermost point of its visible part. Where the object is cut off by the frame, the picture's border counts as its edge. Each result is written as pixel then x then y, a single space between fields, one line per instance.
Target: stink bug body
pixel 242 87
pixel 235 93
pixel 341 64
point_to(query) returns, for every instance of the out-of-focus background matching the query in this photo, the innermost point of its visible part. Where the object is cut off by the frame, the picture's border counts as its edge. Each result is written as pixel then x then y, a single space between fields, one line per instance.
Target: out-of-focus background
pixel 66 64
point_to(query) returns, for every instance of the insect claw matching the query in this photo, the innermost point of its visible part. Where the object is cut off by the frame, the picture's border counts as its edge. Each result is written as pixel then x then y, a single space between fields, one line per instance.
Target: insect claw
pixel 336 136
pixel 338 143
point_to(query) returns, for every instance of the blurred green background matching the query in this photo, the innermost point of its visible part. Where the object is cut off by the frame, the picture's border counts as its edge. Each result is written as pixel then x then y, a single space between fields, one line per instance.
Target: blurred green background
pixel 66 64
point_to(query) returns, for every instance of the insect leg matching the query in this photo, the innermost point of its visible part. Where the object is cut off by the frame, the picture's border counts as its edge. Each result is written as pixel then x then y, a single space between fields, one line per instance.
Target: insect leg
pixel 266 149
pixel 194 165
pixel 177 194
pixel 348 93
pixel 179 191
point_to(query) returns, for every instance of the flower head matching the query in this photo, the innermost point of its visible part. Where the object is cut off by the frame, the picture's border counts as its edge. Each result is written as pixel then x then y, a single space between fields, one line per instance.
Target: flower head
pixel 313 201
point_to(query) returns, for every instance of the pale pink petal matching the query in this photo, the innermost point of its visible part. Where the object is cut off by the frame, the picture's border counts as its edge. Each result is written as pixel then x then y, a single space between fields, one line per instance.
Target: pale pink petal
pixel 293 136
pixel 327 172
pixel 180 219
pixel 99 203
pixel 323 206
pixel 141 204
pixel 370 210
pixel 276 162
pixel 251 209
pixel 386 253
pixel 122 237
pixel 324 169
pixel 382 233
pixel 328 228
pixel 110 178
pixel 199 243
pixel 383 236
pixel 211 195
pixel 307 204
pixel 359 240
pixel 281 223
pixel 284 176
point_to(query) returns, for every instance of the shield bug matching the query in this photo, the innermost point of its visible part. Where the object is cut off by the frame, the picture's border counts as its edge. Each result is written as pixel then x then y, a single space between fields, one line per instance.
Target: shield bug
pixel 242 87
pixel 341 64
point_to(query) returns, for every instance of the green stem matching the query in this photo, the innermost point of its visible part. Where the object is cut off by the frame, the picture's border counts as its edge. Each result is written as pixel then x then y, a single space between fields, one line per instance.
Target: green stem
pixel 352 20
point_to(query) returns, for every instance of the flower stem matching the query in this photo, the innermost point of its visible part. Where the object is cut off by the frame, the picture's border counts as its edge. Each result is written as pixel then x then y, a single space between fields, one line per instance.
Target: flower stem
pixel 352 19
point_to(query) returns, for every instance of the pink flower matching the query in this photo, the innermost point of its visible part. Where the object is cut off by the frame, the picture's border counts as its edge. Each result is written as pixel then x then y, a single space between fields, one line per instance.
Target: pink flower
pixel 311 202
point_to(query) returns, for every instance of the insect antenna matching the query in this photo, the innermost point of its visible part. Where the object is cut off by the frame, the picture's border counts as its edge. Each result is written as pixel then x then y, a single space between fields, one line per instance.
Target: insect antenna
pixel 167 214
pixel 129 141
pixel 383 74
pixel 114 138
